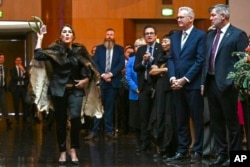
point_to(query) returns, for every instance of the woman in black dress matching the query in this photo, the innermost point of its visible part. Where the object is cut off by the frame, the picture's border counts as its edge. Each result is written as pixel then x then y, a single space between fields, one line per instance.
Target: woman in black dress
pixel 161 120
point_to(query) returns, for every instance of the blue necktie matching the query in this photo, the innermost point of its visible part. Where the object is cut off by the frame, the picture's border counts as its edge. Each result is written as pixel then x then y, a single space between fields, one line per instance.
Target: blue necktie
pixel 150 50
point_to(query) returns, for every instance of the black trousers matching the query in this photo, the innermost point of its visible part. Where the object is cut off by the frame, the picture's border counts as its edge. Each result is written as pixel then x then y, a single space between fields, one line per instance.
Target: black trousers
pixel 68 107
pixel 145 104
pixel 19 96
pixel 223 116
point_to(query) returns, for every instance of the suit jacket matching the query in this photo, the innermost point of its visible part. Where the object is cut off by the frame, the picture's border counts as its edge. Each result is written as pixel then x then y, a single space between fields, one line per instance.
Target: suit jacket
pixel 187 61
pixel 139 67
pixel 15 79
pixel 5 77
pixel 234 40
pixel 131 77
pixel 117 64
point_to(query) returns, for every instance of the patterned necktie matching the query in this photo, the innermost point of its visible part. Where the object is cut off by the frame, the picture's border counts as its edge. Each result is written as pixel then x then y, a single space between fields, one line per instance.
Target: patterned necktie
pixel 108 63
pixel 20 75
pixel 184 36
pixel 214 48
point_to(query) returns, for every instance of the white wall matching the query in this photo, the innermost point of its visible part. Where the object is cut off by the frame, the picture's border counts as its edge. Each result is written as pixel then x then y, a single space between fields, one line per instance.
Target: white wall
pixel 240 15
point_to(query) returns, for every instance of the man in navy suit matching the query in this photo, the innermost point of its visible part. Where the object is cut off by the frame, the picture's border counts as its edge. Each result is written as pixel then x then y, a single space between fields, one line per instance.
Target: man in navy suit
pixel 110 61
pixel 145 56
pixel 221 92
pixel 185 63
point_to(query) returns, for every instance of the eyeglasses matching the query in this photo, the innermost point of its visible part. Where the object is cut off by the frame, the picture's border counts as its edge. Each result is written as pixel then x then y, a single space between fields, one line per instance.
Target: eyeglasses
pixel 149 33
pixel 181 17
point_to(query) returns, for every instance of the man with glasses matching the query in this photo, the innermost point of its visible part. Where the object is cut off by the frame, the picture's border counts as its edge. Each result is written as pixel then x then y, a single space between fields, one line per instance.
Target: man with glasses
pixel 145 56
pixel 185 63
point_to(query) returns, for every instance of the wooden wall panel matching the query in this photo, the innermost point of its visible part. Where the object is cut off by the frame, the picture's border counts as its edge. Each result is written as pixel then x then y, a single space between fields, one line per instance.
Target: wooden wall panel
pixel 20 10
pixel 92 32
pixel 129 31
pixel 55 15
pixel 136 8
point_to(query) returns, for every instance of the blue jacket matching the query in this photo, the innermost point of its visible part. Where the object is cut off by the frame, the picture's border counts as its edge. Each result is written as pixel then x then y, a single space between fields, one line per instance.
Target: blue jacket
pixel 131 77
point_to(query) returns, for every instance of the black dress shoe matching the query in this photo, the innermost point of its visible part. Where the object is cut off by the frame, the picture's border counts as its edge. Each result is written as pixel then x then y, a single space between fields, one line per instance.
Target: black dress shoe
pixel 220 160
pixel 109 136
pixel 62 163
pixel 91 136
pixel 75 162
pixel 160 154
pixel 178 157
pixel 196 158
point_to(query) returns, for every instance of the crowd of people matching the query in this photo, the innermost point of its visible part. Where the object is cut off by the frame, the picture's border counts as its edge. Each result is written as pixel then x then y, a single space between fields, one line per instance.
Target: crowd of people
pixel 153 90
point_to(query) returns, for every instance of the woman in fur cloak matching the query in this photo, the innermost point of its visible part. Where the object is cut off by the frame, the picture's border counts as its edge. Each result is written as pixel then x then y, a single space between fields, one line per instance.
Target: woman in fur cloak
pixel 71 80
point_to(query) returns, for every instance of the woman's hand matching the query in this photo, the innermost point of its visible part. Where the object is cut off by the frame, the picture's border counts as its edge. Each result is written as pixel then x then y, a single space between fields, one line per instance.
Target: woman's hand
pixel 39 36
pixel 81 83
pixel 39 40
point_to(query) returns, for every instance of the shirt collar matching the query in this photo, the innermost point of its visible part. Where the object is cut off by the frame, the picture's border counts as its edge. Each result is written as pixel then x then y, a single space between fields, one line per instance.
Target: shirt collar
pixel 188 31
pixel 153 45
pixel 224 29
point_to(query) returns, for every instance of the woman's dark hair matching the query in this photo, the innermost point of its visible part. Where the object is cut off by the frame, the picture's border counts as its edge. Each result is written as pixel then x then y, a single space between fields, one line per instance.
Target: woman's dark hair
pixel 67 25
pixel 166 36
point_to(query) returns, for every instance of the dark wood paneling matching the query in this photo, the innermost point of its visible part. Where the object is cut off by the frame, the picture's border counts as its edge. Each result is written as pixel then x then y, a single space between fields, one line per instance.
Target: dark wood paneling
pixel 55 15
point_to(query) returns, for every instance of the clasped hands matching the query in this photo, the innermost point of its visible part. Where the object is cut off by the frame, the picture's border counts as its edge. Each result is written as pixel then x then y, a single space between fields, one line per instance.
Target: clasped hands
pixel 107 77
pixel 177 84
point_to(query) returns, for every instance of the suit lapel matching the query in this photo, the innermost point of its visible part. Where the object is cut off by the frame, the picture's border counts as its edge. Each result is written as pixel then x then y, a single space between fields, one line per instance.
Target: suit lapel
pixel 190 37
pixel 156 52
pixel 227 34
pixel 178 40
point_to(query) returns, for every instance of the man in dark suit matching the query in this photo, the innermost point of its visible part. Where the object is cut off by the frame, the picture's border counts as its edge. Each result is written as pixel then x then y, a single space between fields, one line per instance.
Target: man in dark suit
pixel 110 61
pixel 221 92
pixel 18 87
pixel 185 63
pixel 145 56
pixel 3 89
